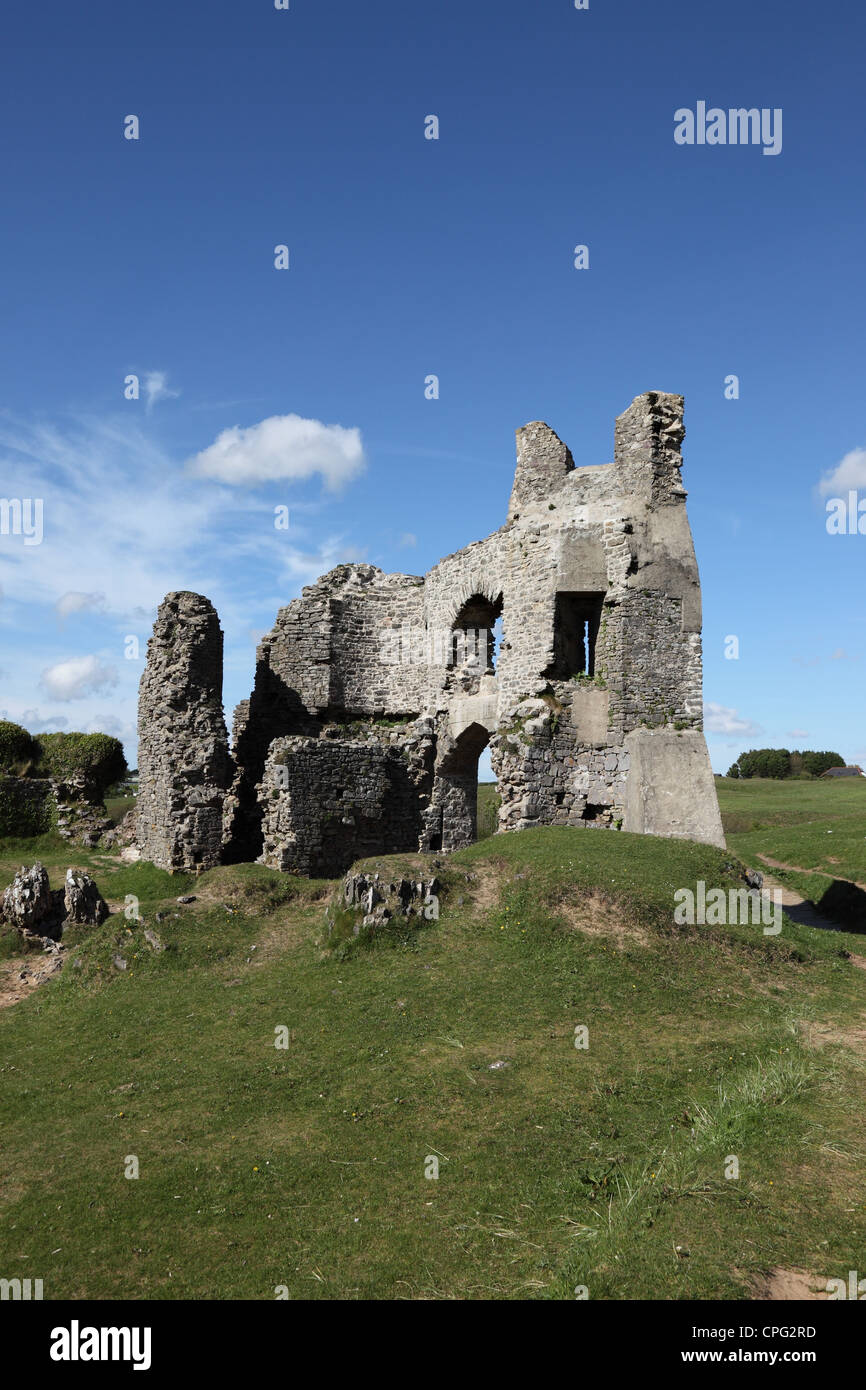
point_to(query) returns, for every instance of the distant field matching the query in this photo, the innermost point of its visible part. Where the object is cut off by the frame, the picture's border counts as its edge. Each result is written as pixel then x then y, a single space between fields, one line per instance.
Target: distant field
pixel 117 806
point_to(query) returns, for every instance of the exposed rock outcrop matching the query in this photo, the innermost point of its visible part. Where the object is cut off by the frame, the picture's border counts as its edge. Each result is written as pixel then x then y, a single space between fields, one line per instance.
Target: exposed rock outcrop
pixel 28 901
pixel 36 910
pixel 379 900
pixel 83 901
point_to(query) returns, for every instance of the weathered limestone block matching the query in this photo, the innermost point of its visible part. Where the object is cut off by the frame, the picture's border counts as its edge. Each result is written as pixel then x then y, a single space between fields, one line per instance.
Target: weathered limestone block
pixel 83 901
pixel 671 790
pixel 28 902
pixel 183 760
pixel 380 900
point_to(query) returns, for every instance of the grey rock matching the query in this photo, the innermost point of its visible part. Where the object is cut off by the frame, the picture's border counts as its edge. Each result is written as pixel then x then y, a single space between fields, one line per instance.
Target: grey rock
pixel 83 900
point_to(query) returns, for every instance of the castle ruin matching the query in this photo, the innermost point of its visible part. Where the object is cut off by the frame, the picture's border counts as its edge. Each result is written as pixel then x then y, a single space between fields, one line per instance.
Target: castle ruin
pixel 375 694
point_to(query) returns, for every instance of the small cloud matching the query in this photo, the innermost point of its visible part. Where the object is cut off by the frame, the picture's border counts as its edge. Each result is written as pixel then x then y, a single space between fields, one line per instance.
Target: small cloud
pixel 407 539
pixel 798 733
pixel 75 602
pixel 157 389
pixel 850 473
pixel 282 447
pixel 719 719
pixel 77 677
pixel 801 661
pixel 840 654
pixel 33 721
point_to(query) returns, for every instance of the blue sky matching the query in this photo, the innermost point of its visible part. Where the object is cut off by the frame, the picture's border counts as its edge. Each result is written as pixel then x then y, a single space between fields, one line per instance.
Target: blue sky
pixel 411 257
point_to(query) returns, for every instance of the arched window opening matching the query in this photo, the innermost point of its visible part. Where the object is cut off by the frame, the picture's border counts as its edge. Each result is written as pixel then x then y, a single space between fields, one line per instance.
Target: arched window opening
pixel 477 634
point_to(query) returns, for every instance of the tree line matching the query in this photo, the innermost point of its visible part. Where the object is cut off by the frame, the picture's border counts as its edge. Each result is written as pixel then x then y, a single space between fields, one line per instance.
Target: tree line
pixel 780 763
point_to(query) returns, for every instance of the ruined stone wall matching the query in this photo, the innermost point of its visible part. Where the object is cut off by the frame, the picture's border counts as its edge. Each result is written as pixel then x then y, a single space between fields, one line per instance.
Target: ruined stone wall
pixel 329 801
pixel 372 621
pixel 550 769
pixel 183 756
pixel 594 574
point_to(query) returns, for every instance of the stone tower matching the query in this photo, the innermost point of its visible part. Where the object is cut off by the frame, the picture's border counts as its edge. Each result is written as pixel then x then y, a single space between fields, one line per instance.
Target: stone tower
pixel 183 758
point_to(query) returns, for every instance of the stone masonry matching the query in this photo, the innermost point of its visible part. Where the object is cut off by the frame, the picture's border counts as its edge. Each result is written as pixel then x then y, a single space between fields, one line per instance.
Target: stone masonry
pixel 375 694
pixel 183 754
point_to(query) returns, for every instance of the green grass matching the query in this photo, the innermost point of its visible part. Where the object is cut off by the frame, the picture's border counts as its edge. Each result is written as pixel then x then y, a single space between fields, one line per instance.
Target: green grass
pixel 816 828
pixel 813 825
pixel 306 1167
pixel 488 809
pixel 116 807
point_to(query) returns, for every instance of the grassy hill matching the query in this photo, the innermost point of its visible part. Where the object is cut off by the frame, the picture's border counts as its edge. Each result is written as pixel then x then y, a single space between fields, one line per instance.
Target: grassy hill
pixel 558 1166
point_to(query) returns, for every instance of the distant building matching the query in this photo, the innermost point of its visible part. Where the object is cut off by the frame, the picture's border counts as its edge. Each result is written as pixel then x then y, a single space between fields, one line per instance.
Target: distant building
pixel 854 771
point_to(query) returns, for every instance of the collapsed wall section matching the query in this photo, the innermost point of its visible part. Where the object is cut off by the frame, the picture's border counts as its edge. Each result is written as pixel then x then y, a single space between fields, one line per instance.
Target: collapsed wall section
pixel 328 801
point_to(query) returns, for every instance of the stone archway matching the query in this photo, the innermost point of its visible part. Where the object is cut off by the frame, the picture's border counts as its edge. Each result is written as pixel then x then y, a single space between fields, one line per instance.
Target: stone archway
pixel 456 788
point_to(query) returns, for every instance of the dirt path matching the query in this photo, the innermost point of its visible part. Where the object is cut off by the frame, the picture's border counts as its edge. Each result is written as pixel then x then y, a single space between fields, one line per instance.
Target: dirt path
pixel 797 869
pixel 20 977
pixel 797 908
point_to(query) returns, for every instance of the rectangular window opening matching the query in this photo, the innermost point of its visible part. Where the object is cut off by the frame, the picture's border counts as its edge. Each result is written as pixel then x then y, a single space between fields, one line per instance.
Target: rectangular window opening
pixel 576 623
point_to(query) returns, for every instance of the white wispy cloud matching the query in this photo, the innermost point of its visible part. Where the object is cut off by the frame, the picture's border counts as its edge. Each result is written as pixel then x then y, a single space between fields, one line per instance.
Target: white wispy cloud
pixel 78 677
pixel 283 447
pixel 39 724
pixel 73 601
pixel 156 388
pixel 720 719
pixel 849 473
pixel 124 524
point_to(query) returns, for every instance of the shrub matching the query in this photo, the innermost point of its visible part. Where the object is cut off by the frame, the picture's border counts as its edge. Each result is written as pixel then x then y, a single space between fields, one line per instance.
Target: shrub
pixel 17 746
pixel 97 757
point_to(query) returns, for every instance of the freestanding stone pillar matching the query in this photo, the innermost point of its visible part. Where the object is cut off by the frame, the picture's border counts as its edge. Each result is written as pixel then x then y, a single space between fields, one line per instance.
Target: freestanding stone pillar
pixel 183 759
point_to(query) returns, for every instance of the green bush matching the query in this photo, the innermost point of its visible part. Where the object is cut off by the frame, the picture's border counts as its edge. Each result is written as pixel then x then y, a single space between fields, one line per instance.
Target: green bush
pixel 17 746
pixel 98 757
